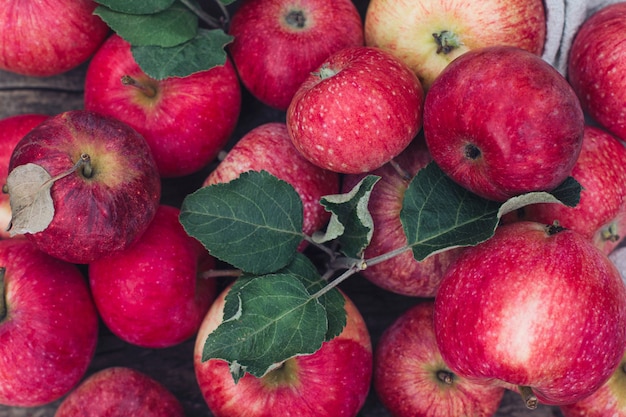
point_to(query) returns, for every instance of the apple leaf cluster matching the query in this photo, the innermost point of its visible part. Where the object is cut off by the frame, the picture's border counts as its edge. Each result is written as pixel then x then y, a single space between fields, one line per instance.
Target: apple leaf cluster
pixel 167 36
pixel 281 306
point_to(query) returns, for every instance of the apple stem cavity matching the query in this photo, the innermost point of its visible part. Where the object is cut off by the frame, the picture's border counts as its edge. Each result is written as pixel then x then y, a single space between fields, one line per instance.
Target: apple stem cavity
pixel 296 19
pixel 148 90
pixel 529 397
pixel 554 228
pixel 3 301
pixel 446 41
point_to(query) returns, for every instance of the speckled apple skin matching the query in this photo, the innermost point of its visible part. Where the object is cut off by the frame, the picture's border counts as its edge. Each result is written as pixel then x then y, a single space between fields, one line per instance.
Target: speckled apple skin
pixel 186 124
pixel 332 382
pixel 153 294
pixel 359 118
pixel 402 274
pixel 120 392
pixel 49 335
pixel 519 111
pixel 98 215
pixel 273 57
pixel 13 129
pixel 595 67
pixel 530 308
pixel 601 171
pixel 47 38
pixel 606 401
pixel 405 28
pixel 268 147
pixel 406 364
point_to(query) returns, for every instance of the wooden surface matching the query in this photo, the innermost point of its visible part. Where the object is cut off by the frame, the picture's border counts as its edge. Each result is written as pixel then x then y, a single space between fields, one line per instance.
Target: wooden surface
pixel 173 367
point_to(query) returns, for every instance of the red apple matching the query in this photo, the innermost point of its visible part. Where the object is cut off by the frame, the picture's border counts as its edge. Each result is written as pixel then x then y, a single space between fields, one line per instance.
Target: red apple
pixel 103 206
pixel 186 121
pixel 412 379
pixel 48 38
pixel 601 213
pixel 268 147
pixel 402 274
pixel 13 129
pixel 536 308
pixel 429 34
pixel 595 67
pixel 153 293
pixel 357 111
pixel 334 381
pixel 501 122
pixel 278 43
pixel 606 401
pixel 48 326
pixel 120 391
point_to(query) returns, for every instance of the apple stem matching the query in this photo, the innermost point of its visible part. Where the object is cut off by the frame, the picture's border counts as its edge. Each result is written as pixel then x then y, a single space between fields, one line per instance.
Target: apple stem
pixel 208 19
pixel 529 397
pixel 446 41
pixel 3 301
pixel 86 165
pixel 446 377
pixel 218 273
pixel 401 171
pixel 554 228
pixel 146 89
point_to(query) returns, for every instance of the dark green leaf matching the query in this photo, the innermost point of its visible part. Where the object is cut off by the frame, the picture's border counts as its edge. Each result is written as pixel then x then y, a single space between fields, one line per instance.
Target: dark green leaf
pixel 253 222
pixel 168 28
pixel 136 7
pixel 438 214
pixel 333 301
pixel 227 2
pixel 201 53
pixel 275 319
pixel 350 222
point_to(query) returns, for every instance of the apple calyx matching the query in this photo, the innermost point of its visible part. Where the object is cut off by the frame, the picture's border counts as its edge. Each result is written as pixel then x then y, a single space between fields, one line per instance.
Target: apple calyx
pixel 445 377
pixel 296 19
pixel 145 88
pixel 529 397
pixel 554 228
pixel 286 374
pixel 325 72
pixel 610 233
pixel 3 301
pixel 446 41
pixel 472 151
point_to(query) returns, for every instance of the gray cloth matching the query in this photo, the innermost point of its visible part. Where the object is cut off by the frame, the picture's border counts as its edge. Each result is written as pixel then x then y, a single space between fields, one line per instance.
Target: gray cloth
pixel 564 19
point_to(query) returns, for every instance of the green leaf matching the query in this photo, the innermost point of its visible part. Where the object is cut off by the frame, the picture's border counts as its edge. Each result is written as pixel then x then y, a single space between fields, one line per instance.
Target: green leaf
pixel 275 319
pixel 203 52
pixel 438 214
pixel 227 2
pixel 350 221
pixel 136 7
pixel 253 222
pixel 333 301
pixel 168 28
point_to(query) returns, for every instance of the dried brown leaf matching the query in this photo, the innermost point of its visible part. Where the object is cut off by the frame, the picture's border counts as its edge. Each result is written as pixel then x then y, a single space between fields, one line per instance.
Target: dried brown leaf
pixel 31 203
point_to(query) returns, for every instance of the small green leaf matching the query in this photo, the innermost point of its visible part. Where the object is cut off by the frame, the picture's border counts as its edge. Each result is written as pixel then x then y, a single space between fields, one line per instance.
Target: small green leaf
pixel 333 301
pixel 136 7
pixel 439 214
pixel 227 2
pixel 276 319
pixel 203 52
pixel 171 27
pixel 253 222
pixel 351 222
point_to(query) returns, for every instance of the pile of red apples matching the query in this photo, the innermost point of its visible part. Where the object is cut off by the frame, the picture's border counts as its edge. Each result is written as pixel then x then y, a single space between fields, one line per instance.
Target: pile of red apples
pixel 539 308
